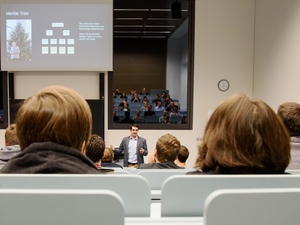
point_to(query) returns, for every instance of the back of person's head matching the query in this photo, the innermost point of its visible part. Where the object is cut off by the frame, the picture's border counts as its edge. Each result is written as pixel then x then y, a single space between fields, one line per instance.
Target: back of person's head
pixel 95 148
pixel 108 155
pixel 183 154
pixel 289 113
pixel 11 135
pixel 244 136
pixel 167 147
pixel 57 114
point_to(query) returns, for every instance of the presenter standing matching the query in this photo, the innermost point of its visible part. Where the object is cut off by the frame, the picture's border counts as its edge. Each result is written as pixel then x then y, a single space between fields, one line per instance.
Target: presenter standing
pixel 134 148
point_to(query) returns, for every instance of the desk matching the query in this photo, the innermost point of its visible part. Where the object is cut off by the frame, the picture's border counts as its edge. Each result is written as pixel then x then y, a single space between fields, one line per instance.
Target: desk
pixel 164 221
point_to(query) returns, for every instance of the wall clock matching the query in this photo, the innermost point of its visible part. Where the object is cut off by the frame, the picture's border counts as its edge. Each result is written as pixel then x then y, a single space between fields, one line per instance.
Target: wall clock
pixel 223 85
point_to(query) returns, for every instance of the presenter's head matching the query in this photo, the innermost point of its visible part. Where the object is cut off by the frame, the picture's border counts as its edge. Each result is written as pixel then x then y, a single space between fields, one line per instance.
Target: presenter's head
pixel 56 114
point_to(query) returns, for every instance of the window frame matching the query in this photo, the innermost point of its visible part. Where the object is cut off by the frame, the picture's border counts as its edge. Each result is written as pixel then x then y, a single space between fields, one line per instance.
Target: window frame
pixel 190 87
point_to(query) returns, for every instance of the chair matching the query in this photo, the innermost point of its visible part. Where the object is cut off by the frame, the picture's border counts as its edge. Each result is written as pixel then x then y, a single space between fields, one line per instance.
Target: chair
pixel 120 113
pixel 159 113
pixel 188 187
pixel 253 206
pixel 136 200
pixel 175 119
pixel 60 207
pixel 150 119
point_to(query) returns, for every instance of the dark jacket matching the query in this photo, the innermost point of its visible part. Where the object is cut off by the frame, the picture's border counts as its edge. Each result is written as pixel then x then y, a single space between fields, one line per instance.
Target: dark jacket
pixel 49 157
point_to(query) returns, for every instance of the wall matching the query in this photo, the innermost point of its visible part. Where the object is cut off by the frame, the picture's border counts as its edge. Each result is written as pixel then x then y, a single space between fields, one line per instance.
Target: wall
pixel 224 40
pixel 277 52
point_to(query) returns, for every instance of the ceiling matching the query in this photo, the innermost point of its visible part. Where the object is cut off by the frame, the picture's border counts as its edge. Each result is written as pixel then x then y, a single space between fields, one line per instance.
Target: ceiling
pixel 146 18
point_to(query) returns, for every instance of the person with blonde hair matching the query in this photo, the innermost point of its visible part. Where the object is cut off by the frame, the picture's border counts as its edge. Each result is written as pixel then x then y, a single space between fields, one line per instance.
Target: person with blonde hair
pixel 11 147
pixel 243 136
pixel 165 153
pixel 53 127
pixel 108 157
pixel 289 113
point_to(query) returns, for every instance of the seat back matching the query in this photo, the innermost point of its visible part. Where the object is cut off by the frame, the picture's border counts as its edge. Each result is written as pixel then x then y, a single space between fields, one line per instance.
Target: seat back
pixel 133 189
pixel 60 207
pixel 157 177
pixel 190 191
pixel 175 119
pixel 150 119
pixel 253 206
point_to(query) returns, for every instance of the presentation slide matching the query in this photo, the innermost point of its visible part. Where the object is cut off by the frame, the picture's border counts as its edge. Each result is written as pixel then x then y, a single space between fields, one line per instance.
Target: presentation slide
pixel 56 37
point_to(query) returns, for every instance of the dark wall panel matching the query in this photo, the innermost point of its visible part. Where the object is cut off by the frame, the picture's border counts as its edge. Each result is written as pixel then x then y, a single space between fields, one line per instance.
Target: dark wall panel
pixel 140 63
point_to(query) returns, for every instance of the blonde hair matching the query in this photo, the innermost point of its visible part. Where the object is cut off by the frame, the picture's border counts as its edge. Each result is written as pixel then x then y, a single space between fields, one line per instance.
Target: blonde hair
pixel 167 147
pixel 11 136
pixel 57 114
pixel 244 135
pixel 108 155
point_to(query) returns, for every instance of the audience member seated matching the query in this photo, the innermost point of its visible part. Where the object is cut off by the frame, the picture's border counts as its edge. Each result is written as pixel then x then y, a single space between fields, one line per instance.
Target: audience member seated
pixel 125 107
pixel 161 119
pixel 289 113
pixel 165 153
pixel 149 112
pixel 166 120
pixel 163 96
pixel 156 98
pixel 144 92
pixel 108 157
pixel 123 95
pixel 11 147
pixel 117 91
pixel 138 118
pixel 144 107
pixel 51 136
pixel 170 107
pixel 182 120
pixel 182 156
pixel 167 101
pixel 95 149
pixel 116 119
pixel 243 136
pixel 175 111
pixel 159 106
pixel 135 98
pixel 127 118
pixel 124 101
pixel 145 99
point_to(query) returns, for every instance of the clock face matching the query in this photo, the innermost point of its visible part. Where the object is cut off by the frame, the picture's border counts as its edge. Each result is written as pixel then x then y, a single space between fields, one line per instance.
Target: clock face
pixel 223 85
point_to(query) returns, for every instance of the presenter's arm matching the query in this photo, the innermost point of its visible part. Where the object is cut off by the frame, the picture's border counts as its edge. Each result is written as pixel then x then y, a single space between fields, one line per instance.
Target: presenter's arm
pixel 121 147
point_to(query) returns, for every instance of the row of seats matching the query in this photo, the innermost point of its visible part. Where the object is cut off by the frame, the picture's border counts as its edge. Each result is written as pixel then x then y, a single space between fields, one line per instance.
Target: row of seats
pixel 181 195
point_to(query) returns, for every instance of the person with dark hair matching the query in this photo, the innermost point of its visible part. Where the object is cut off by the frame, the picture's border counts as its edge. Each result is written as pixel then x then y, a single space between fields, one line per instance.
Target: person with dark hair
pixel 11 147
pixel 289 113
pixel 149 112
pixel 243 136
pixel 182 156
pixel 156 98
pixel 159 106
pixel 134 148
pixel 127 118
pixel 94 149
pixel 165 153
pixel 53 127
pixel 144 92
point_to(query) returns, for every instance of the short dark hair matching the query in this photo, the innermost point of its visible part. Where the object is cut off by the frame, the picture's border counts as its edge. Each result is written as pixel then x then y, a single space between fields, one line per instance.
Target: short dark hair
pixel 95 148
pixel 134 125
pixel 183 154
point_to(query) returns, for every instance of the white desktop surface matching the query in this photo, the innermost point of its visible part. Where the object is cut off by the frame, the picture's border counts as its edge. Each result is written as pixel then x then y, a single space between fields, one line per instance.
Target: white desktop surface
pixel 164 221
